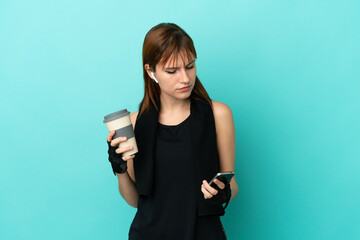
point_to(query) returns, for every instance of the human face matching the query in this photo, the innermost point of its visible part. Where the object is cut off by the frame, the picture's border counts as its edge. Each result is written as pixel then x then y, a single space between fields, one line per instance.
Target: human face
pixel 176 78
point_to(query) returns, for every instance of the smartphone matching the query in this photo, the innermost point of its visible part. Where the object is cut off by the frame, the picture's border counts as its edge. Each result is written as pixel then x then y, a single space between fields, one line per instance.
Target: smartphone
pixel 225 177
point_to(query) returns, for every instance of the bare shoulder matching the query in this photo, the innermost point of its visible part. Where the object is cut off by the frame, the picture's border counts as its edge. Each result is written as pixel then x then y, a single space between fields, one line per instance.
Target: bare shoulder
pixel 223 118
pixel 133 117
pixel 221 110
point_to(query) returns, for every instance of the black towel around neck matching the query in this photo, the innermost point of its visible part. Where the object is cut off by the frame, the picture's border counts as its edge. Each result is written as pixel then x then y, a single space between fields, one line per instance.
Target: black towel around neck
pixel 145 134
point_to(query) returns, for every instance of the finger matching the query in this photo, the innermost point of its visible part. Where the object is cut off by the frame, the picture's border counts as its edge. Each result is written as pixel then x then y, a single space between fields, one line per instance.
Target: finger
pixel 210 189
pixel 124 149
pixel 118 140
pixel 219 183
pixel 205 192
pixel 125 158
pixel 110 135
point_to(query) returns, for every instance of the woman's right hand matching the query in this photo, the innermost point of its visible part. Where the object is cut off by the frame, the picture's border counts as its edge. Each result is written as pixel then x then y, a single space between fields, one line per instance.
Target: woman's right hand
pixel 118 162
pixel 114 145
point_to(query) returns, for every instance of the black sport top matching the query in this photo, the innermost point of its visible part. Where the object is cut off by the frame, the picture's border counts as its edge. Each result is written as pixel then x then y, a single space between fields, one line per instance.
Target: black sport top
pixel 171 211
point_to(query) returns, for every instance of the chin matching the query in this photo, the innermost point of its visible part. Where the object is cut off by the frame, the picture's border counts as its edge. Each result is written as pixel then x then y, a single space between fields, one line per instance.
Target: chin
pixel 185 95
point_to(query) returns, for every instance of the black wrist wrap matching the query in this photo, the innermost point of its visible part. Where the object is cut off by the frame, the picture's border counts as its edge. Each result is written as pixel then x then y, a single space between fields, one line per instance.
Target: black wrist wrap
pixel 118 165
pixel 223 195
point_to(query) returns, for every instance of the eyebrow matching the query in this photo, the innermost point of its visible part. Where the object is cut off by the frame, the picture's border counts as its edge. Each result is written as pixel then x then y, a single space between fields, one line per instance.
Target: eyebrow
pixel 169 68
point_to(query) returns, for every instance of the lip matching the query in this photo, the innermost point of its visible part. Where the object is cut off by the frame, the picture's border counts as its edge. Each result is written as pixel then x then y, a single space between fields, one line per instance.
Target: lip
pixel 184 89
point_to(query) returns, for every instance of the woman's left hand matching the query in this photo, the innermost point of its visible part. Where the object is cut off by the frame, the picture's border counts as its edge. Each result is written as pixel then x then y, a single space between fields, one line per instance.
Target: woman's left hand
pixel 209 191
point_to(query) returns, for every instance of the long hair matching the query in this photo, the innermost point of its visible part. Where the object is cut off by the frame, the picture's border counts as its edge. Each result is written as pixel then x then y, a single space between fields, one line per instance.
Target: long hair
pixel 162 42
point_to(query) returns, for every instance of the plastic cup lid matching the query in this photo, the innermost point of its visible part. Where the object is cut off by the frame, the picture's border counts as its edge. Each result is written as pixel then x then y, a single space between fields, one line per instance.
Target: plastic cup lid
pixel 116 115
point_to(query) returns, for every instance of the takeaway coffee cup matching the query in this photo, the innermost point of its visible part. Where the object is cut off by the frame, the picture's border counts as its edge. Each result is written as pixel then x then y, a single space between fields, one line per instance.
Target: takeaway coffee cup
pixel 121 123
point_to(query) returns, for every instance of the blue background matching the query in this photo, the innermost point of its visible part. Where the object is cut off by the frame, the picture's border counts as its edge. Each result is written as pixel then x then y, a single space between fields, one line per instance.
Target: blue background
pixel 289 70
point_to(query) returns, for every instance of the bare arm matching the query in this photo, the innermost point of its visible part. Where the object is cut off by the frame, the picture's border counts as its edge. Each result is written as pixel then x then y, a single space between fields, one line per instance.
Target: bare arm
pixel 126 181
pixel 127 189
pixel 225 134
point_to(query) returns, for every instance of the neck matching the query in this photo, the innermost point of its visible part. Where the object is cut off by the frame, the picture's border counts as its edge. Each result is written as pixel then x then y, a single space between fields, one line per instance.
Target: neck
pixel 170 105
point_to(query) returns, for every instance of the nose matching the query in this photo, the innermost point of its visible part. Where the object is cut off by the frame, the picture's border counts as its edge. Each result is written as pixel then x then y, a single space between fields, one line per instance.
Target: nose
pixel 184 76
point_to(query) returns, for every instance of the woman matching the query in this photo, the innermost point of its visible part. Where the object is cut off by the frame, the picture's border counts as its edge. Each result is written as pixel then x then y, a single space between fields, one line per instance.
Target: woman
pixel 184 138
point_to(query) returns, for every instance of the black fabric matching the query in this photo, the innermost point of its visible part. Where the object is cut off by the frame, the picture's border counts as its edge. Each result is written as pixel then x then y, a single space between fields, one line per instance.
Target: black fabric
pixel 170 211
pixel 223 195
pixel 204 154
pixel 117 163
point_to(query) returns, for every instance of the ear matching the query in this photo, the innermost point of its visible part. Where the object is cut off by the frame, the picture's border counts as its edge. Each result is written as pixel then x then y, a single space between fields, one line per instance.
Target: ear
pixel 148 70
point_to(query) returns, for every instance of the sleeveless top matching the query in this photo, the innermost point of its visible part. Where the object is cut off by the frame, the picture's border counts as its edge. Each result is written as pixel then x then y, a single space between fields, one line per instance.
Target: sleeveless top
pixel 203 149
pixel 170 213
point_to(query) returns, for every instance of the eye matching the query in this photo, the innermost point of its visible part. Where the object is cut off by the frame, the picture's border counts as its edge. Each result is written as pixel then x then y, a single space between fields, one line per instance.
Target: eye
pixel 192 66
